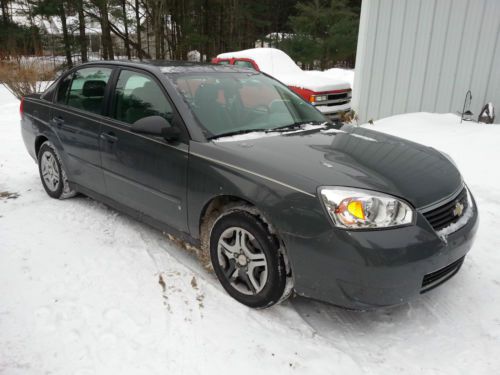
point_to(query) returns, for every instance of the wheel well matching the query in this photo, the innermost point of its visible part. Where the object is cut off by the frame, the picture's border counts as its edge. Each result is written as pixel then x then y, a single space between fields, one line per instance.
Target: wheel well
pixel 38 143
pixel 217 205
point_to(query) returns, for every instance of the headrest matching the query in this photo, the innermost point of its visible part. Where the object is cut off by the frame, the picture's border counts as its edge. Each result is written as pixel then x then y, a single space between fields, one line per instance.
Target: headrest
pixel 93 88
pixel 207 94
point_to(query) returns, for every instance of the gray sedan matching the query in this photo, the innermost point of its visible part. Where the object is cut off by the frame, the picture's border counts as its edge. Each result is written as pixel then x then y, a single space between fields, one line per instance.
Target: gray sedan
pixel 234 162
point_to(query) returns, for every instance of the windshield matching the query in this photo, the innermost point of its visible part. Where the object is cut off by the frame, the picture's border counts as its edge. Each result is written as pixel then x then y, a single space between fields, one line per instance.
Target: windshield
pixel 229 103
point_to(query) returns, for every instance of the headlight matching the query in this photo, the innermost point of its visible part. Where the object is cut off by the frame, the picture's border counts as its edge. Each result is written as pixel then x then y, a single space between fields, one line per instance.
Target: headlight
pixel 319 98
pixel 351 208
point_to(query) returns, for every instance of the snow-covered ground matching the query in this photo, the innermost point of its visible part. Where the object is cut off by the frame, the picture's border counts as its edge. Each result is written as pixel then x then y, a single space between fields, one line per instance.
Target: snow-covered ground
pixel 86 290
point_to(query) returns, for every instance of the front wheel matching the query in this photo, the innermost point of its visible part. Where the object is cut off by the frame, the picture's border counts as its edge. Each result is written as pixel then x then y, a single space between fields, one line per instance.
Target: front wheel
pixel 52 174
pixel 247 260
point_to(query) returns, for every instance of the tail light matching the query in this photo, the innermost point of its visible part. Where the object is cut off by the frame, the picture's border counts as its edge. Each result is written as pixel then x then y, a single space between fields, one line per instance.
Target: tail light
pixel 21 107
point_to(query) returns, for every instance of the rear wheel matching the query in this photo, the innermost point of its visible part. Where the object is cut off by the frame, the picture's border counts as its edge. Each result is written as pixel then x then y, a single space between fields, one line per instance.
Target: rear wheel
pixel 52 174
pixel 246 260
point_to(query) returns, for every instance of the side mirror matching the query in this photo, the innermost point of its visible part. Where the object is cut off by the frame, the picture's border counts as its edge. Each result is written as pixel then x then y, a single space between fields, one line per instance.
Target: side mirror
pixel 156 125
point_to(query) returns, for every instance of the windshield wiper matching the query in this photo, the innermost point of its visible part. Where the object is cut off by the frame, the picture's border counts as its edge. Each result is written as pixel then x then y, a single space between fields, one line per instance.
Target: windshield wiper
pixel 280 129
pixel 294 126
pixel 236 132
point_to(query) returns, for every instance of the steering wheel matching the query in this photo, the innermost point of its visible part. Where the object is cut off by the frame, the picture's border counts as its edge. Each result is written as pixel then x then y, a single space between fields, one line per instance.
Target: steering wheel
pixel 264 109
pixel 277 105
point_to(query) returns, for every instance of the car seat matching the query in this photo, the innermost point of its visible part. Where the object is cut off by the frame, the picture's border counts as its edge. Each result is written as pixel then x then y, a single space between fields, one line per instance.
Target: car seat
pixel 209 110
pixel 93 95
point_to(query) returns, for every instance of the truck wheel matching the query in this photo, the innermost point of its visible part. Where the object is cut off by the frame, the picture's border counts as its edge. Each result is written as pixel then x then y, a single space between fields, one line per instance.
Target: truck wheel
pixel 246 260
pixel 52 174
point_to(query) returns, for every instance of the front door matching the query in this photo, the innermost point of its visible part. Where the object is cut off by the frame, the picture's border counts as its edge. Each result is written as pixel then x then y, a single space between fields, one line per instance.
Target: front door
pixel 144 172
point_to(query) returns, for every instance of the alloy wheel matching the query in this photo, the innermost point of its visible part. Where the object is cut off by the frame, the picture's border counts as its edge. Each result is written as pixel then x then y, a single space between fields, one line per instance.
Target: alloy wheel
pixel 50 171
pixel 242 261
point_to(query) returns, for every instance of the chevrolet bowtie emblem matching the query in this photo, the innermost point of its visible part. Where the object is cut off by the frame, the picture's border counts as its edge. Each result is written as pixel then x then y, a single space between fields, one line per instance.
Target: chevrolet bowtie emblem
pixel 458 210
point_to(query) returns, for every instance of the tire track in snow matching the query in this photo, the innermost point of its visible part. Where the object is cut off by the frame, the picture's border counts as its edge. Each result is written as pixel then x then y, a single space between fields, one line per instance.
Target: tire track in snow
pixel 189 310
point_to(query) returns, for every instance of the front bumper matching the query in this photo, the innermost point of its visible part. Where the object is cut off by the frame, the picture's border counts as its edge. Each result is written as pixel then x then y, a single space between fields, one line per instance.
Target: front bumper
pixel 367 269
pixel 333 111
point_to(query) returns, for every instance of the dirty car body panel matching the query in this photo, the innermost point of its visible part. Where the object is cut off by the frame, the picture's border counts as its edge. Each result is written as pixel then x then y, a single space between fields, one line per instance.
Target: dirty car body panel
pixel 169 184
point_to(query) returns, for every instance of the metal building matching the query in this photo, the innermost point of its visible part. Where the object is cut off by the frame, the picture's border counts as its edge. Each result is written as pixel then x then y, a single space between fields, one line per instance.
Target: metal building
pixel 424 55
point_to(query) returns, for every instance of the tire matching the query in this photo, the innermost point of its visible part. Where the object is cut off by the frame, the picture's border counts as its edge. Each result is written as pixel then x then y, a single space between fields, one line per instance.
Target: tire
pixel 247 260
pixel 52 173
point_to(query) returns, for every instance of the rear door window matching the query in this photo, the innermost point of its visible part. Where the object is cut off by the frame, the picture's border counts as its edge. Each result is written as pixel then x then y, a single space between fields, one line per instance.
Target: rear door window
pixel 137 96
pixel 244 63
pixel 87 89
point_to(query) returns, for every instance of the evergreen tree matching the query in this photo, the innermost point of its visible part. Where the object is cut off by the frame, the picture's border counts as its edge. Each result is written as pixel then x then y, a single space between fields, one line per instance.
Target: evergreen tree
pixel 324 32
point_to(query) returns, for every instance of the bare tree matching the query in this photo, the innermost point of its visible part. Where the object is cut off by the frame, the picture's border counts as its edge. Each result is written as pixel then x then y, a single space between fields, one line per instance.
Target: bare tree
pixel 138 29
pixel 81 29
pixel 125 24
pixel 103 18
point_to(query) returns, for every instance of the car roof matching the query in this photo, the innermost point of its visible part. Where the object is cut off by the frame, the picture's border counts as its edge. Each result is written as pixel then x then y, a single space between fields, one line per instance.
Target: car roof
pixel 173 66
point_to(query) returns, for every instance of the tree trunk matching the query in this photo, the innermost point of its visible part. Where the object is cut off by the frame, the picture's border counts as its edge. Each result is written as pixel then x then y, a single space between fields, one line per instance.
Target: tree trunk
pixel 5 12
pixel 67 46
pixel 107 42
pixel 138 25
pixel 157 30
pixel 81 29
pixel 125 24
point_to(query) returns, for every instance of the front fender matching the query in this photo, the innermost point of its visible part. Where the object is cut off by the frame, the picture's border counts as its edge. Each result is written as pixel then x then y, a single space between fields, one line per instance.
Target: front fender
pixel 288 210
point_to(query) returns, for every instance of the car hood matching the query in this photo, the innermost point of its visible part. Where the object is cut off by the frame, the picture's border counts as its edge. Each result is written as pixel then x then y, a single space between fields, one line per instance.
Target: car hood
pixel 346 156
pixel 312 82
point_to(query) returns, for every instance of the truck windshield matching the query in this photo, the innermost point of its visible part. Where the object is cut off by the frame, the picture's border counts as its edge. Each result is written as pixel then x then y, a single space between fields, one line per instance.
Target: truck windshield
pixel 229 103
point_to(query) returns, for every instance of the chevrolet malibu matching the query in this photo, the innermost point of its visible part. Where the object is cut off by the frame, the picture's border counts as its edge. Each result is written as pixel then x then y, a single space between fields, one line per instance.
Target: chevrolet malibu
pixel 235 163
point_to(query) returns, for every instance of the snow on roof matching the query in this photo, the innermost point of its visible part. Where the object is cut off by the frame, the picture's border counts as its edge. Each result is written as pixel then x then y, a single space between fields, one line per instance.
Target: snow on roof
pixel 279 65
pixel 270 60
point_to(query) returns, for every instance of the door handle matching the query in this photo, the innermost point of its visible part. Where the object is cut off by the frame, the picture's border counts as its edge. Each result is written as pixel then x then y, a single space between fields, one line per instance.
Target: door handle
pixel 58 121
pixel 110 137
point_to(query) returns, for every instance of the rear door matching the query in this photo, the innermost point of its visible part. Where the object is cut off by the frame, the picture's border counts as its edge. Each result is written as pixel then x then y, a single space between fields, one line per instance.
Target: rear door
pixel 76 118
pixel 144 172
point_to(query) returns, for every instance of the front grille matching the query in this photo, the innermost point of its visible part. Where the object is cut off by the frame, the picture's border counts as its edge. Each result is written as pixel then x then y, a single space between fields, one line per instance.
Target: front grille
pixel 438 277
pixel 446 214
pixel 338 96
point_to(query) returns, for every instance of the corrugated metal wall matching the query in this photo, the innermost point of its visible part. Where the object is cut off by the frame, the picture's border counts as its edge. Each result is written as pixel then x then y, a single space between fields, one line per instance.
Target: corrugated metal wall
pixel 423 55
